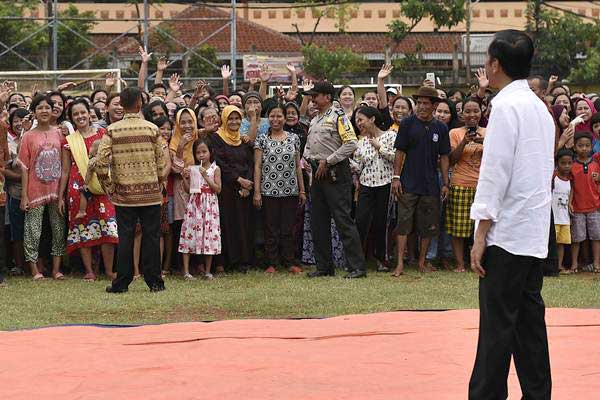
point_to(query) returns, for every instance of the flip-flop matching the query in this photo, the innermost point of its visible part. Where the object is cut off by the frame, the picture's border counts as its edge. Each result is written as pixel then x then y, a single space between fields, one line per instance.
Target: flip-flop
pixel 59 276
pixel 38 277
pixel 397 275
pixel 89 277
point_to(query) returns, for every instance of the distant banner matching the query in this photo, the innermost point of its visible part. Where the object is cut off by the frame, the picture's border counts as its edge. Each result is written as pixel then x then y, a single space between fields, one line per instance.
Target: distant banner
pixel 277 66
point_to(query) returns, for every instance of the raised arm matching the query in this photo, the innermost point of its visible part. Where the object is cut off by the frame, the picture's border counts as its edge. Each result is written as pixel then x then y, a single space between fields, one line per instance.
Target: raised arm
pixel 161 67
pixel 293 76
pixel 265 77
pixel 226 75
pixel 384 72
pixel 143 74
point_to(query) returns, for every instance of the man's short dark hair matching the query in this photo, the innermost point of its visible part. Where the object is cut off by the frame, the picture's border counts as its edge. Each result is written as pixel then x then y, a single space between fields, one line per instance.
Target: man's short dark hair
pixel 583 135
pixel 564 152
pixel 129 97
pixel 543 82
pixel 514 50
pixel 158 85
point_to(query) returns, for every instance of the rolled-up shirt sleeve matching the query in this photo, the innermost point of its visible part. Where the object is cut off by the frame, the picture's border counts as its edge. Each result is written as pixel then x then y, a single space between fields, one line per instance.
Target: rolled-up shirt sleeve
pixel 495 174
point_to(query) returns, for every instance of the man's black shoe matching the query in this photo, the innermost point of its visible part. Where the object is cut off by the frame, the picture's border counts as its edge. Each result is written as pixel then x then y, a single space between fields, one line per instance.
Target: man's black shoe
pixel 318 274
pixel 157 288
pixel 356 274
pixel 111 289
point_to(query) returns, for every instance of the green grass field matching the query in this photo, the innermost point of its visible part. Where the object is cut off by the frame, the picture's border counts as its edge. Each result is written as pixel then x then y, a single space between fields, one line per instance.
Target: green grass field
pixel 28 304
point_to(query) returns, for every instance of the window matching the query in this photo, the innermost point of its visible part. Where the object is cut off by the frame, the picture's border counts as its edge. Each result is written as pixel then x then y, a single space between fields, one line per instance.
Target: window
pixel 104 14
pixel 381 13
pixel 158 14
pixel 301 14
pixel 489 13
pixel 133 14
pixel 518 13
pixel 476 13
pixel 596 12
pixel 257 14
pixel 367 13
pixel 120 14
pixel 396 13
pixel 287 14
pixel 354 14
pixel 272 14
pixel 582 11
pixel 35 13
pixel 503 13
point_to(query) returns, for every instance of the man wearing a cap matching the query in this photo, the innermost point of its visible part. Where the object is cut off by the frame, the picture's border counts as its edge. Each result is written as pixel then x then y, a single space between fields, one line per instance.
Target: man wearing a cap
pixel 420 142
pixel 331 141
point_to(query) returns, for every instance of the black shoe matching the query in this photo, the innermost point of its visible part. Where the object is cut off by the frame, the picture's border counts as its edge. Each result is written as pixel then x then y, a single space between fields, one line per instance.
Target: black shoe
pixel 157 288
pixel 319 274
pixel 111 289
pixel 356 274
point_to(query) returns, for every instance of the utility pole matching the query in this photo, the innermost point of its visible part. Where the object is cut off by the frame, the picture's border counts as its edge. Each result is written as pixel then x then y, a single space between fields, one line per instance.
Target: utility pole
pixel 233 44
pixel 468 43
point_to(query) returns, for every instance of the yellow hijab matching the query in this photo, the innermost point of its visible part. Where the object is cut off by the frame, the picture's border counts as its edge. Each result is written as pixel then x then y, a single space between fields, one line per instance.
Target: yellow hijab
pixel 188 154
pixel 232 138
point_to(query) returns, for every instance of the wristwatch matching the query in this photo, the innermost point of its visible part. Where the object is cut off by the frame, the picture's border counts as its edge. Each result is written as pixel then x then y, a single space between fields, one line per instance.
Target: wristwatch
pixel 395 177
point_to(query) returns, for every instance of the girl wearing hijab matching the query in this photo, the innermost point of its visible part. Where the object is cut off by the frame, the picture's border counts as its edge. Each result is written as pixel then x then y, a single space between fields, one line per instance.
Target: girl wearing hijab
pixel 566 130
pixel 182 157
pixel 236 160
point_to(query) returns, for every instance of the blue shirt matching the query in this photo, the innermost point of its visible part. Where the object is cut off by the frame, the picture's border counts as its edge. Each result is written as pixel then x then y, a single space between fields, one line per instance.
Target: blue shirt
pixel 423 143
pixel 263 127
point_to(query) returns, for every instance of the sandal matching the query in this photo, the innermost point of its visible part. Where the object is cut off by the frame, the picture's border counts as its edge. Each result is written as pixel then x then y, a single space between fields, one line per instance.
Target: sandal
pixel 397 274
pixel 189 277
pixel 208 276
pixel 91 277
pixel 38 277
pixel 59 276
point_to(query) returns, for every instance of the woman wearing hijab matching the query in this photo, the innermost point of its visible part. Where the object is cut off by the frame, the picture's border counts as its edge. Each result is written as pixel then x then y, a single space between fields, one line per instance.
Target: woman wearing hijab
pixel 236 160
pixel 565 129
pixel 184 135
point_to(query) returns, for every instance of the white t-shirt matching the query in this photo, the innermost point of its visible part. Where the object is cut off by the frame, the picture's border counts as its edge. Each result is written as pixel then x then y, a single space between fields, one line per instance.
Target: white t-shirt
pixel 560 201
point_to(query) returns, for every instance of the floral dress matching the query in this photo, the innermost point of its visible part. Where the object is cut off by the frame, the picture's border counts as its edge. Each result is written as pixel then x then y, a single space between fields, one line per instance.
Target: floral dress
pixel 201 228
pixel 99 225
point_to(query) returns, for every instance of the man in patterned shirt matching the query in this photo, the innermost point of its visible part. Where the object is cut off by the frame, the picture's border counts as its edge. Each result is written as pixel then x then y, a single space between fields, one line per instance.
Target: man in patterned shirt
pixel 133 151
pixel 331 141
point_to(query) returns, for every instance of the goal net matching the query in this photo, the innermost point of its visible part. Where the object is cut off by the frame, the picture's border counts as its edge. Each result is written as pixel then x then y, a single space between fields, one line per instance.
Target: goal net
pixel 87 80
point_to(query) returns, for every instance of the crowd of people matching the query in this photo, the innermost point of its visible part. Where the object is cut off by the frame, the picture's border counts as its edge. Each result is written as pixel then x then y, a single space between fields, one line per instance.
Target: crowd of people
pixel 200 182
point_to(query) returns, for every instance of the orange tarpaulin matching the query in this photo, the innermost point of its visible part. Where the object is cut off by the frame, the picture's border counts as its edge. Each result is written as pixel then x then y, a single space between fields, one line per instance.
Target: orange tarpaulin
pixel 400 355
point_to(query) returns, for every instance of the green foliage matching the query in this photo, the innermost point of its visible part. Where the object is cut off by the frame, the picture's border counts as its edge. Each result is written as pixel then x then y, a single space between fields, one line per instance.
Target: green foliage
pixel 443 13
pixel 588 70
pixel 71 47
pixel 198 67
pixel 14 31
pixel 333 65
pixel 99 61
pixel 332 9
pixel 159 41
pixel 559 39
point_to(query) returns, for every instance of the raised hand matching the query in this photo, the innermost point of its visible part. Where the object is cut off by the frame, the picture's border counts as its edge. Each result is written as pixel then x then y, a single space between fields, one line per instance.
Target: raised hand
pixel 280 92
pixel 265 74
pixel 290 67
pixel 144 55
pixel 163 63
pixel 385 71
pixel 307 85
pixel 254 81
pixel 66 86
pixel 200 88
pixel 291 95
pixel 482 78
pixel 111 79
pixel 429 83
pixel 174 83
pixel 34 90
pixel 5 91
pixel 225 72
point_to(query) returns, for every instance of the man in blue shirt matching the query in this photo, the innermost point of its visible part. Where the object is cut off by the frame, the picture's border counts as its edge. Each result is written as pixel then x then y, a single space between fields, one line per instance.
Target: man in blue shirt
pixel 421 142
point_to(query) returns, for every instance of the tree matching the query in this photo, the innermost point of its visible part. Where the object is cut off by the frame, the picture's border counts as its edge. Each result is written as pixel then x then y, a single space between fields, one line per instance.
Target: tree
pixel 443 13
pixel 333 65
pixel 138 11
pixel 588 70
pixel 333 9
pixel 198 67
pixel 13 31
pixel 72 47
pixel 560 39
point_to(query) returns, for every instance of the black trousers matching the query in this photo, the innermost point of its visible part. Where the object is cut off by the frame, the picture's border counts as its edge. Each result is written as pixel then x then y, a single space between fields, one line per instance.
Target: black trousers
pixel 511 323
pixel 149 217
pixel 332 199
pixel 279 215
pixel 372 213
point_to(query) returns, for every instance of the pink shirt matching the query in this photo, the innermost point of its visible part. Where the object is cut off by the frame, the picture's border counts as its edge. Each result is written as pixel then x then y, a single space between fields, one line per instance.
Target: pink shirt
pixel 40 157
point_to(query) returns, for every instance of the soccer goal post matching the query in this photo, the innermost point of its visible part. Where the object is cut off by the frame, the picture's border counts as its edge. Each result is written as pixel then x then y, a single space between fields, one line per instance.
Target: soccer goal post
pixel 86 80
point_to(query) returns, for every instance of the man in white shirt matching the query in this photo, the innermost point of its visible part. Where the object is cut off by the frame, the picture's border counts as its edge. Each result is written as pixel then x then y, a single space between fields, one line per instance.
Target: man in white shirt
pixel 512 213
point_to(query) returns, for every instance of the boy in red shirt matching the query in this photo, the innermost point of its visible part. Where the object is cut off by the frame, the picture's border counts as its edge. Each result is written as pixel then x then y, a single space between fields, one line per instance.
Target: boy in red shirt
pixel 585 218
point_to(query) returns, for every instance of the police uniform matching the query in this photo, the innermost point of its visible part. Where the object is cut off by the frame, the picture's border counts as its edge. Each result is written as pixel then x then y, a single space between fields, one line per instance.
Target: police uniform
pixel 332 138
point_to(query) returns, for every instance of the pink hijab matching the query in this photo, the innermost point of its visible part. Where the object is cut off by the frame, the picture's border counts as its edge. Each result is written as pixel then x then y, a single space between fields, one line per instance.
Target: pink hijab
pixel 585 126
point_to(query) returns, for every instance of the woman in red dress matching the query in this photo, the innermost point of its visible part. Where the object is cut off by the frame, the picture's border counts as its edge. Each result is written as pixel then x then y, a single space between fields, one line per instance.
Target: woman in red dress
pixel 98 226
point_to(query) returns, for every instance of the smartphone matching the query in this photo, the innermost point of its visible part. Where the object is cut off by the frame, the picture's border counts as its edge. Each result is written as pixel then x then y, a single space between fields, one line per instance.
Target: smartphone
pixel 472 131
pixel 430 76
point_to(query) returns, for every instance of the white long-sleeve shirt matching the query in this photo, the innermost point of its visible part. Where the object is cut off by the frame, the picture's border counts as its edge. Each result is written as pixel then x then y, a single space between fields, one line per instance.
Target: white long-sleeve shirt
pixel 514 188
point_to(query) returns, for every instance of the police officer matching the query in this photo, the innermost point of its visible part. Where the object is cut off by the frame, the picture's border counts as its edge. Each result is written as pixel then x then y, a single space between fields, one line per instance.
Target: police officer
pixel 331 141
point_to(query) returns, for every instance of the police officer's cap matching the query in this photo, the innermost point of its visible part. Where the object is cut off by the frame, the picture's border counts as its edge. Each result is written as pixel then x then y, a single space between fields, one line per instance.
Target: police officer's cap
pixel 323 87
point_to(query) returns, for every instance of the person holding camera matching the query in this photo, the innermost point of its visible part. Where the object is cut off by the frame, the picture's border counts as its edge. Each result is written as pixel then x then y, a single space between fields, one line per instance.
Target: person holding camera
pixel 331 141
pixel 465 159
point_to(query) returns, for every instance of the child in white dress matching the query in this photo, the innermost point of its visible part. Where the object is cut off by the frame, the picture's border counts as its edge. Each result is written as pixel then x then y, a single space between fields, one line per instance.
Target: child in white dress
pixel 201 228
